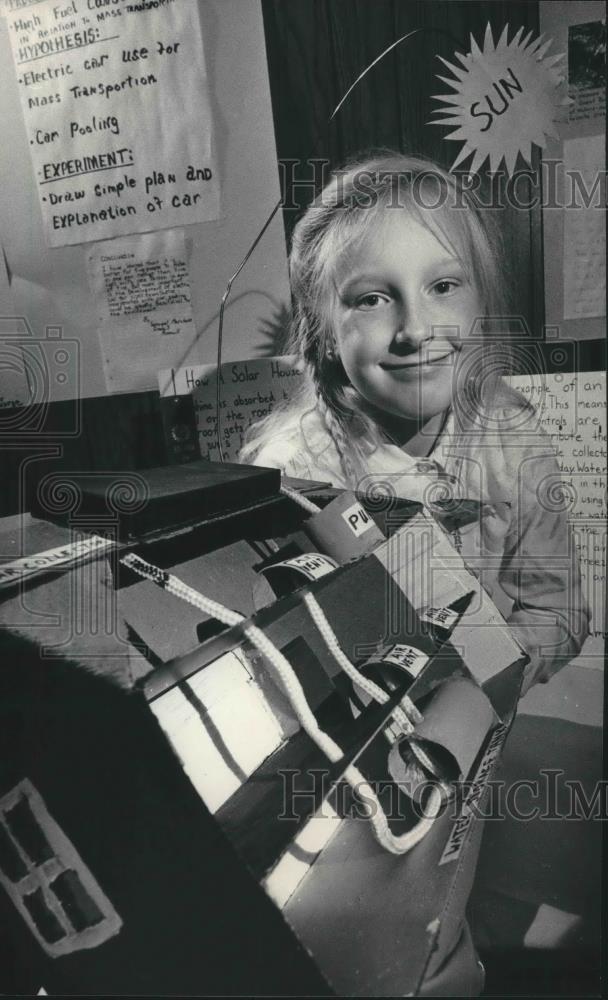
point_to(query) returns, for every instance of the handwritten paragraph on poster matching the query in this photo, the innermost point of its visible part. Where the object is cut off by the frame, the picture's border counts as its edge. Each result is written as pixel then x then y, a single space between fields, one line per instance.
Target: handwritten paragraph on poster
pixel 249 391
pixel 142 290
pixel 117 115
pixel 572 411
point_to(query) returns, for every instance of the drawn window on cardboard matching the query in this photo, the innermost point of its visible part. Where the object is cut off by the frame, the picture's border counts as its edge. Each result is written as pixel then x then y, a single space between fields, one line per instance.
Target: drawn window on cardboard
pixel 47 880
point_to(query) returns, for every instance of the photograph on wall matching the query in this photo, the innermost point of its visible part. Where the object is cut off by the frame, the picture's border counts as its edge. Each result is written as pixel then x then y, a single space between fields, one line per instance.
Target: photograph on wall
pixel 587 70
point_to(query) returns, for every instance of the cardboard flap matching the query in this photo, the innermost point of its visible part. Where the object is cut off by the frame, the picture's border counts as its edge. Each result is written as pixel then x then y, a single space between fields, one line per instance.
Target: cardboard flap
pixel 430 572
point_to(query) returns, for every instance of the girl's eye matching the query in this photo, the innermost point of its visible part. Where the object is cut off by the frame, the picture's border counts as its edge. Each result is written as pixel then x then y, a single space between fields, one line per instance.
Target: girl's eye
pixel 445 286
pixel 370 301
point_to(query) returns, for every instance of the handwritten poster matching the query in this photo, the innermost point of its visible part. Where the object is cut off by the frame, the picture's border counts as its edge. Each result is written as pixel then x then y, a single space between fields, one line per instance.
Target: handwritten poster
pixel 585 230
pixel 249 391
pixel 142 290
pixel 572 411
pixel 117 114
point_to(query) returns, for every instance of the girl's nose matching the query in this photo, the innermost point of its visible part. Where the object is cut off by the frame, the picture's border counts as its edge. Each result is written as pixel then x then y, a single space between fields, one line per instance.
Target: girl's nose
pixel 411 326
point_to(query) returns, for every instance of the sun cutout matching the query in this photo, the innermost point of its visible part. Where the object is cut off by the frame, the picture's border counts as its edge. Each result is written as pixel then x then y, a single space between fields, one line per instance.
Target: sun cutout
pixel 505 99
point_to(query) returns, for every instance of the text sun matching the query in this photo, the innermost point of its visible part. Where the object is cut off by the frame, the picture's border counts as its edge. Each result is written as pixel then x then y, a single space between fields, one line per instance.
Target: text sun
pixel 505 99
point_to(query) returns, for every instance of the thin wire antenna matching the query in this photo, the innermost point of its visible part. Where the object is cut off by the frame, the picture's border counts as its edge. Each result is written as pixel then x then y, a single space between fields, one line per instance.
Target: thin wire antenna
pixel 393 45
pixel 220 332
pixel 220 329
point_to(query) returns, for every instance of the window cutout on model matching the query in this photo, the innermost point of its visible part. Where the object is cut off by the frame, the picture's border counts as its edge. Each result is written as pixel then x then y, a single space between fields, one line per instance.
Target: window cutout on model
pixel 11 862
pixel 81 910
pixel 27 832
pixel 44 919
pixel 49 884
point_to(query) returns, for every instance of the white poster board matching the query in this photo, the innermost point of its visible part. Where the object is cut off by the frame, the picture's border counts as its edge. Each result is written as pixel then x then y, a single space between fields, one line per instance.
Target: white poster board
pixel 249 391
pixel 50 288
pixel 572 411
pixel 141 288
pixel 117 144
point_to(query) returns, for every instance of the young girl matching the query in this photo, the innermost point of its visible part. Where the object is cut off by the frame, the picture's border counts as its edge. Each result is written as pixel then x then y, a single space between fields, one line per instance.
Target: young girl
pixel 396 280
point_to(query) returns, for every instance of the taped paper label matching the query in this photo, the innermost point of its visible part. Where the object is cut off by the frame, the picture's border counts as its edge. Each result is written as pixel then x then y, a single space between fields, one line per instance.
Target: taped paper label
pixel 407 657
pixel 312 566
pixel 357 519
pixel 462 825
pixel 445 617
pixel 51 559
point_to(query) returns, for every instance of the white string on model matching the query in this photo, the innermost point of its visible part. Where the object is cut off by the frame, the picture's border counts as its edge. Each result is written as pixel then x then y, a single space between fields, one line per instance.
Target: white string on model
pixel 298 498
pixel 293 689
pixel 406 715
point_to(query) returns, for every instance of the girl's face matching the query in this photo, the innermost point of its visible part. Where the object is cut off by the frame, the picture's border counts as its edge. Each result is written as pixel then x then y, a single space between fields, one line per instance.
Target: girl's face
pixel 403 308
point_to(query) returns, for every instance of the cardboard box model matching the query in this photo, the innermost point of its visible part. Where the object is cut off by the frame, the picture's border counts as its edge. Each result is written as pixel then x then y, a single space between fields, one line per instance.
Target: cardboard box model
pixel 166 823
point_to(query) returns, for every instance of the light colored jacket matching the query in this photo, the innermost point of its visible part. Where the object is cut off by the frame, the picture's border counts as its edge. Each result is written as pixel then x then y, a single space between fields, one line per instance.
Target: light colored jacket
pixel 520 546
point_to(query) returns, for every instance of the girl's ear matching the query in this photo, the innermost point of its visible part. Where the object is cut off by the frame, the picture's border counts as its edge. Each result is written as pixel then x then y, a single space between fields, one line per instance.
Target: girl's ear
pixel 337 371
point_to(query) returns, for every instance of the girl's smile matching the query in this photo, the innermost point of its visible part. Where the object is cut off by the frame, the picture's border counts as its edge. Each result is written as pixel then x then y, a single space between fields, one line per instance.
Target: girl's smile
pixel 418 364
pixel 404 305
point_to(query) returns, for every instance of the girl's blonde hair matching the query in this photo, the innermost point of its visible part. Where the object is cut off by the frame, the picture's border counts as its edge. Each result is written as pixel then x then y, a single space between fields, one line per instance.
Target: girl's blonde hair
pixel 336 221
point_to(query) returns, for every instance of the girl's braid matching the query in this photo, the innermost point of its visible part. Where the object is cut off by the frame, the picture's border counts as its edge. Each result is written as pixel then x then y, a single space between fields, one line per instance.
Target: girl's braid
pixel 335 428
